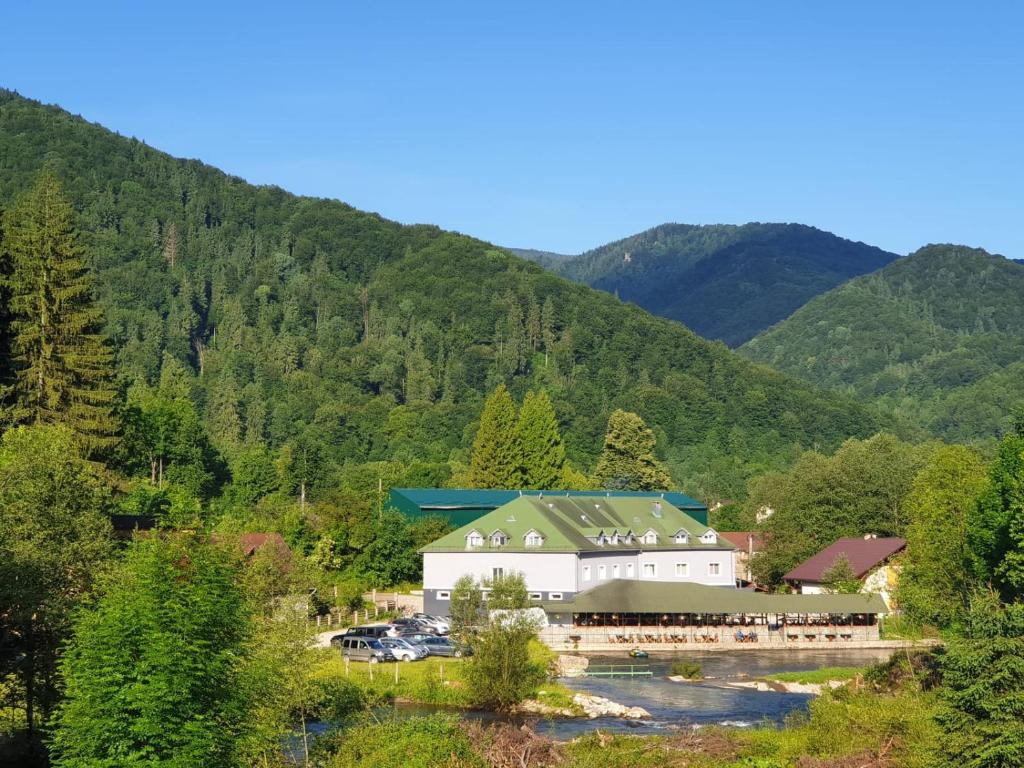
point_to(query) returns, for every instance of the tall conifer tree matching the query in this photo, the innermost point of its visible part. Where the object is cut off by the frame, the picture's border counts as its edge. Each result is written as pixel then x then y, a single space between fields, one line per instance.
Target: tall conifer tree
pixel 497 458
pixel 627 461
pixel 63 367
pixel 543 449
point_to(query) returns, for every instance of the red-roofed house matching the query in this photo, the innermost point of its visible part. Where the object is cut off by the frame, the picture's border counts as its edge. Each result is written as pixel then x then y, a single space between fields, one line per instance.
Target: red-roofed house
pixel 748 544
pixel 871 558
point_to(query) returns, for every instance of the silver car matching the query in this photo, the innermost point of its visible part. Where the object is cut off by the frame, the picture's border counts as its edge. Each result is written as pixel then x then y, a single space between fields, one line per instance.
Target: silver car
pixel 403 650
pixel 369 649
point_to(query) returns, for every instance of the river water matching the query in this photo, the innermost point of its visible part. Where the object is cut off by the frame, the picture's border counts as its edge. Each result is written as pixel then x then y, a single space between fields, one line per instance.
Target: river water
pixel 681 705
pixel 675 705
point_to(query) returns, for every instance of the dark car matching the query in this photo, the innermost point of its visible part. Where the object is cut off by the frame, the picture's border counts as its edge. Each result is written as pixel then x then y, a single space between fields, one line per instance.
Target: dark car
pixel 442 646
pixel 416 625
pixel 370 630
pixel 414 636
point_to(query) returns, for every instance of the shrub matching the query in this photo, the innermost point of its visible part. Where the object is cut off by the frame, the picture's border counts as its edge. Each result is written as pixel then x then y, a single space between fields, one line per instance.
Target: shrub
pixel 691 670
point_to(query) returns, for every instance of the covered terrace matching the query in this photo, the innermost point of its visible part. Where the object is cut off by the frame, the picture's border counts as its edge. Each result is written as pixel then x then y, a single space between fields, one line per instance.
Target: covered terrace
pixel 632 612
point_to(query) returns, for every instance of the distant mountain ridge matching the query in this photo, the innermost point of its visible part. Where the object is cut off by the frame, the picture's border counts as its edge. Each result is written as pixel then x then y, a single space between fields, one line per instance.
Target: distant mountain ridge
pixel 936 338
pixel 724 281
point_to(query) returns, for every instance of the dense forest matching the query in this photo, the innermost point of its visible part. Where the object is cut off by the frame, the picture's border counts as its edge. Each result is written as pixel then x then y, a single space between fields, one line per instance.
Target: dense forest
pixel 221 358
pixel 724 282
pixel 935 339
pixel 351 348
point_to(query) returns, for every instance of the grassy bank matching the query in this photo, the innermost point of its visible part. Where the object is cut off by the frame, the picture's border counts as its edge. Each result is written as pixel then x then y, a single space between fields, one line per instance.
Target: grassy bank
pixel 434 681
pixel 820 676
pixel 840 730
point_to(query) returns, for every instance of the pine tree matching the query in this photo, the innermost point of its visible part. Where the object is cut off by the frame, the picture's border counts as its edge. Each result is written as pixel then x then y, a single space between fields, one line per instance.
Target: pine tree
pixel 542 446
pixel 497 450
pixel 627 461
pixel 63 365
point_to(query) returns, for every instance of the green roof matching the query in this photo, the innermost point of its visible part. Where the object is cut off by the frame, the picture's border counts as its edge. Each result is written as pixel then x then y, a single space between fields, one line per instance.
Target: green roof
pixel 573 524
pixel 634 596
pixel 463 505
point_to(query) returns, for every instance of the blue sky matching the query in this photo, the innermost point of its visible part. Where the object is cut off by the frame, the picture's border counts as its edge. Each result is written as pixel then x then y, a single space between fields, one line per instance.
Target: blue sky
pixel 562 126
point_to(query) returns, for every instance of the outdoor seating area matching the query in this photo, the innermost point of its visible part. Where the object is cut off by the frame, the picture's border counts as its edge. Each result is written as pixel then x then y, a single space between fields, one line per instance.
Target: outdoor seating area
pixel 705 615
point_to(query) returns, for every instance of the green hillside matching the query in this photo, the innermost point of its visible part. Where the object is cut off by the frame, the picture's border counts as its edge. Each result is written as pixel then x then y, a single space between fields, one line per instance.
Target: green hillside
pixel 936 338
pixel 723 281
pixel 308 326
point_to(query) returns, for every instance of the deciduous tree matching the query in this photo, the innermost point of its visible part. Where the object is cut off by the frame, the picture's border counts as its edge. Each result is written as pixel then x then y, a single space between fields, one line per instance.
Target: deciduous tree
pixel 937 577
pixel 627 461
pixel 153 670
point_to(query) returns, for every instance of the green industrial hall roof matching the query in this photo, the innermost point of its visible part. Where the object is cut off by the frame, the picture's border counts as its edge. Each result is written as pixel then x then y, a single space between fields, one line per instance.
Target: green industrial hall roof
pixel 426 501
pixel 635 596
pixel 571 524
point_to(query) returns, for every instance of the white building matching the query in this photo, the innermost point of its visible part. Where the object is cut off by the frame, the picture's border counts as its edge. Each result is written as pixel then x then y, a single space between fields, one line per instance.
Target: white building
pixel 565 545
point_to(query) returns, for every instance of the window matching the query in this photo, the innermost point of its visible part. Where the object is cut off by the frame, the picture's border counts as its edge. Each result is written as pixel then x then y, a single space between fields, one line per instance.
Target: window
pixel 650 570
pixel 536 596
pixel 682 570
pixel 714 569
pixel 497 573
pixel 615 571
pixel 602 572
pixel 681 537
pixel 554 595
pixel 474 539
pixel 650 538
pixel 444 595
pixel 629 570
pixel 534 539
pixel 498 539
pixel 586 573
pixel 709 537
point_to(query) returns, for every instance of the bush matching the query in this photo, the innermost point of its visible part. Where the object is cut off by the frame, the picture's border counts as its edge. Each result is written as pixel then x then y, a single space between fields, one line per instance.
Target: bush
pixel 501 672
pixel 691 670
pixel 419 742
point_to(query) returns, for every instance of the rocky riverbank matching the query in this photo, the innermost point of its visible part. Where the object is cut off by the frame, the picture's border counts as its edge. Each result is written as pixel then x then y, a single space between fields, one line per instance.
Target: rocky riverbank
pixel 585 705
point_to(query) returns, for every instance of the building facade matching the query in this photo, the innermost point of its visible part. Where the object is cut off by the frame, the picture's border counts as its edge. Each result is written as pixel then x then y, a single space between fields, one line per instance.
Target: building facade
pixel 564 545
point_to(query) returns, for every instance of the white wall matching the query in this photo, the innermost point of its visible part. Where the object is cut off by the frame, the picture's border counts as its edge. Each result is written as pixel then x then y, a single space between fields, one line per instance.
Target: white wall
pixel 608 560
pixel 544 572
pixel 697 560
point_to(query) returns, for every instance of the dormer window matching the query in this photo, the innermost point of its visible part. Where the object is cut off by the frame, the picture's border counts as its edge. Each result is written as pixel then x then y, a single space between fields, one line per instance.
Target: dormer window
pixel 474 539
pixel 682 537
pixel 498 539
pixel 533 539
pixel 709 537
pixel 650 537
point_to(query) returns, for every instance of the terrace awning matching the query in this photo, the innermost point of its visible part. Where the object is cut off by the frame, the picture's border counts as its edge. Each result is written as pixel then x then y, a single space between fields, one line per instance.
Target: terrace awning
pixel 661 597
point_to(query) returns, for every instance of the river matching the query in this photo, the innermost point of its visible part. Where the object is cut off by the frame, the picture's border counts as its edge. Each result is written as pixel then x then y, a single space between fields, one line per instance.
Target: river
pixel 673 705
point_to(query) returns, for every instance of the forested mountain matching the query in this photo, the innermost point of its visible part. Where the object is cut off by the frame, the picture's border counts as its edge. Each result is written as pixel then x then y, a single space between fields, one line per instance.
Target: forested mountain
pixel 547 259
pixel 723 281
pixel 936 338
pixel 311 333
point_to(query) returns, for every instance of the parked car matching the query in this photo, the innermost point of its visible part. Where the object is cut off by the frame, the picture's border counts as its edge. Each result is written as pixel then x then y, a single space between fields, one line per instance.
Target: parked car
pixel 403 650
pixel 415 624
pixel 443 646
pixel 362 648
pixel 443 626
pixel 415 636
pixel 372 630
